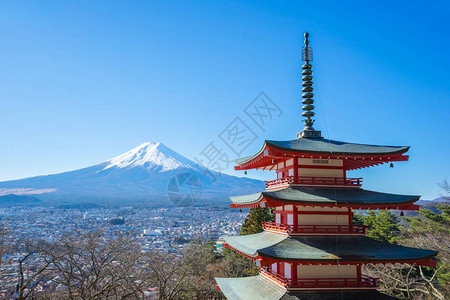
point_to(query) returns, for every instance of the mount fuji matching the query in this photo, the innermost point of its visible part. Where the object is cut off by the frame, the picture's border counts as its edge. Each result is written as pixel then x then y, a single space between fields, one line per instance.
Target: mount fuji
pixel 150 174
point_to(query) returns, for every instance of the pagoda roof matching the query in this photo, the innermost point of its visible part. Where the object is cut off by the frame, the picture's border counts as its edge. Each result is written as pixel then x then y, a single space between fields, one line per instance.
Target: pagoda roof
pixel 324 248
pixel 250 288
pixel 335 147
pixel 354 197
pixel 258 287
pixel 324 147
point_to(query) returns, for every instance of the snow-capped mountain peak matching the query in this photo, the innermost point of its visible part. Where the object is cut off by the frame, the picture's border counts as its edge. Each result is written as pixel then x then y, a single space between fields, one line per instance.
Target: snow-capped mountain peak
pixel 151 173
pixel 150 155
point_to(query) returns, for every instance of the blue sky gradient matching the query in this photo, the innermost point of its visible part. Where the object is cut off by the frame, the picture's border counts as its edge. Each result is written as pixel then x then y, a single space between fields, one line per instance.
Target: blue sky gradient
pixel 83 81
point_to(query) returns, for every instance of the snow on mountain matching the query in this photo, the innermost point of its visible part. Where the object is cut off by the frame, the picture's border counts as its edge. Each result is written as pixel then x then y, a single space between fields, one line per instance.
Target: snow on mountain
pixel 151 173
pixel 150 155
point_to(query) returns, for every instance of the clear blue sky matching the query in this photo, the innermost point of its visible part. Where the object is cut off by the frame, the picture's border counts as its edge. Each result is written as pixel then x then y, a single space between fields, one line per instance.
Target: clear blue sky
pixel 83 81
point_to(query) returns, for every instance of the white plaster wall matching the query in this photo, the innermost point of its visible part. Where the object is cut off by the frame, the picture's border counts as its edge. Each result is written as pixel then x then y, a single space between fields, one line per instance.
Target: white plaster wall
pixel 326 271
pixel 289 207
pixel 306 172
pixel 310 162
pixel 323 220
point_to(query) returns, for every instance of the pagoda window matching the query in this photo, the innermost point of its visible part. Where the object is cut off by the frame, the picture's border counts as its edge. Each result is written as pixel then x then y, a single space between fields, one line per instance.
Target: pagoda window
pixel 291 172
pixel 289 162
pixel 290 219
pixel 277 218
pixel 287 270
pixel 274 267
pixel 283 173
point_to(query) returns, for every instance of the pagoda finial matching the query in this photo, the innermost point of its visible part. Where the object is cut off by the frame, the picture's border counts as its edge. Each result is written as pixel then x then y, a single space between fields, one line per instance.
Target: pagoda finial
pixel 308 101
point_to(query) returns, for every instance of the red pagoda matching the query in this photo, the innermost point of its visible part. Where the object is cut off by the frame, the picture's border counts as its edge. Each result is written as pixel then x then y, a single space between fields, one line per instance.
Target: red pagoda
pixel 312 250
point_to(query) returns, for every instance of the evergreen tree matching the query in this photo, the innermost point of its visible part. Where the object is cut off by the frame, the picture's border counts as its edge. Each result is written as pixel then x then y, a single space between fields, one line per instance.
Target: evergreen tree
pixel 428 230
pixel 381 225
pixel 432 231
pixel 253 222
pixel 358 219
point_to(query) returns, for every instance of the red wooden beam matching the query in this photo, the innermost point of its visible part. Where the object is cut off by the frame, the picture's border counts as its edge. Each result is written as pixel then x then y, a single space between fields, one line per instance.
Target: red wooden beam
pixel 267 261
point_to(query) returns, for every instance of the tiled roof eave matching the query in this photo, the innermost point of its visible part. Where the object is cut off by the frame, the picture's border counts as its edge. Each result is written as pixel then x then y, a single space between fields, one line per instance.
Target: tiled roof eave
pixel 397 151
pixel 401 150
pixel 269 247
pixel 326 197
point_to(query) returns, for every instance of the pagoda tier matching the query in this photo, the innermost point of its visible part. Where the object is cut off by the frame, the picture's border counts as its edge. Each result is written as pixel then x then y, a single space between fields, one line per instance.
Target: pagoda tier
pixel 317 263
pixel 326 197
pixel 259 287
pixel 318 162
pixel 269 248
pixel 354 156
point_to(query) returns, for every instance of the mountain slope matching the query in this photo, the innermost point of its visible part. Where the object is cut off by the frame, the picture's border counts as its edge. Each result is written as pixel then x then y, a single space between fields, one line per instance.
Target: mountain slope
pixel 12 200
pixel 141 175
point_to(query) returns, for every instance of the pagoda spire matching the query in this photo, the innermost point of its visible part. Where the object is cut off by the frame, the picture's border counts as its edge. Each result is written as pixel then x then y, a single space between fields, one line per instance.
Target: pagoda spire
pixel 307 94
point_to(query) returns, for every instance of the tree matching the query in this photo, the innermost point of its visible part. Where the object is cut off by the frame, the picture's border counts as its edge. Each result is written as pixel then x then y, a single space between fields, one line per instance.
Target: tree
pixel 33 268
pixel 445 187
pixel 200 258
pixel 429 230
pixel 204 263
pixel 381 226
pixel 253 222
pixel 236 265
pixel 168 273
pixel 91 266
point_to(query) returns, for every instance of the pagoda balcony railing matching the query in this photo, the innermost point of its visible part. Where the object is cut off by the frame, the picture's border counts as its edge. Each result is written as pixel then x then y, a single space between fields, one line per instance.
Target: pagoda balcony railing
pixel 315 229
pixel 314 181
pixel 314 283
